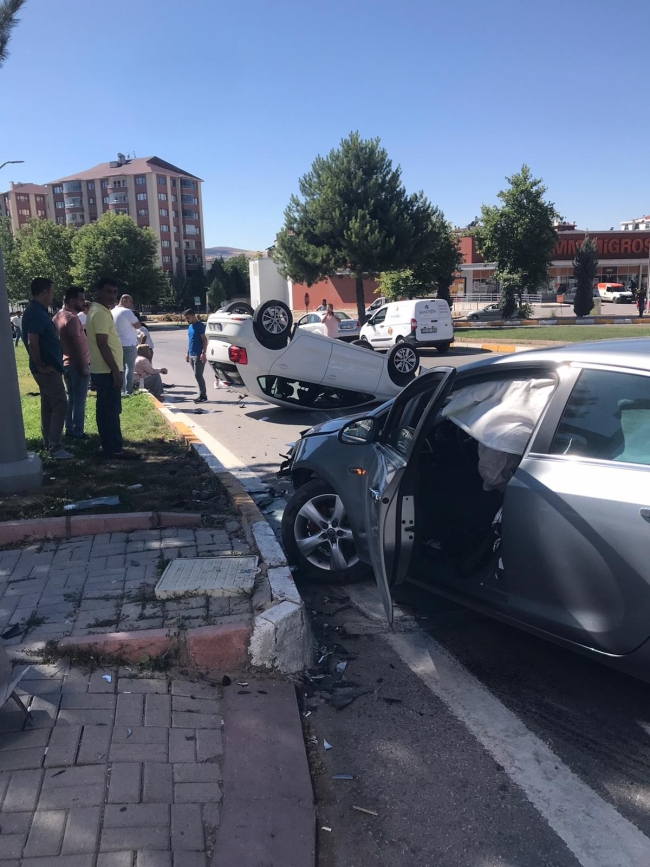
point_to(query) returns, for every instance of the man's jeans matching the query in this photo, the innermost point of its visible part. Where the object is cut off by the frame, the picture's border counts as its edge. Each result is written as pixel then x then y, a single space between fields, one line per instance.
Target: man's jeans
pixel 153 384
pixel 54 407
pixel 76 384
pixel 129 353
pixel 19 335
pixel 109 407
pixel 198 367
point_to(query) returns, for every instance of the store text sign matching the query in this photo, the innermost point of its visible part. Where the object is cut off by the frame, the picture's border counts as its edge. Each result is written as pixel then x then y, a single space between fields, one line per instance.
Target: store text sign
pixel 624 245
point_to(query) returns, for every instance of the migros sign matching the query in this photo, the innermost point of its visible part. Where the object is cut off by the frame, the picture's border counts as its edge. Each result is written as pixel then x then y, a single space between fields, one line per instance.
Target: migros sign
pixel 631 245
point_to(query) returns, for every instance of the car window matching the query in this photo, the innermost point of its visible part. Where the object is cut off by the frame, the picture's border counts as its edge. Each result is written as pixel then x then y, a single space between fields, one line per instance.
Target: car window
pixel 607 418
pixel 379 317
pixel 341 314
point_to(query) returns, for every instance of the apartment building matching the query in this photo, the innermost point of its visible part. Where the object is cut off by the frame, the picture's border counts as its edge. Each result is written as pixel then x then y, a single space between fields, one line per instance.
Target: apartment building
pixel 21 202
pixel 153 192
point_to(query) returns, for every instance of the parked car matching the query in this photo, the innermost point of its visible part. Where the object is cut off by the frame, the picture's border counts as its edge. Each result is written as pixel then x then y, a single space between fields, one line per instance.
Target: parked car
pixel 516 485
pixel 300 369
pixel 489 313
pixel 419 322
pixel 349 328
pixel 376 304
pixel 615 292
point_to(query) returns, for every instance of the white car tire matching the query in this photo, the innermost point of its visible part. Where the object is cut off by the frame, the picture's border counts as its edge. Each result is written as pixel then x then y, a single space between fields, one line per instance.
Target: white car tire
pixel 403 363
pixel 272 323
pixel 364 344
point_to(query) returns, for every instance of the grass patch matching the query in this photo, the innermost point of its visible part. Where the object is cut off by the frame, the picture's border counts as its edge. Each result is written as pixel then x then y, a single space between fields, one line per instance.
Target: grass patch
pixel 563 333
pixel 168 471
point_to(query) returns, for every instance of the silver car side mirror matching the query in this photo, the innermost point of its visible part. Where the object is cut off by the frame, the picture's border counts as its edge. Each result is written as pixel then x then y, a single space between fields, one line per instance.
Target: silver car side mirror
pixel 358 432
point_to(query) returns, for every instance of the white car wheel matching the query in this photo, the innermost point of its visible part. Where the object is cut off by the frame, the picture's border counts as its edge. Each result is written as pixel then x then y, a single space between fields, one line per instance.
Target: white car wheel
pixel 272 323
pixel 403 363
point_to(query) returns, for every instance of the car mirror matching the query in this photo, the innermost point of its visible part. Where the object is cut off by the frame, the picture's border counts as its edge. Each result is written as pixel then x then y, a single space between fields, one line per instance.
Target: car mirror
pixel 358 432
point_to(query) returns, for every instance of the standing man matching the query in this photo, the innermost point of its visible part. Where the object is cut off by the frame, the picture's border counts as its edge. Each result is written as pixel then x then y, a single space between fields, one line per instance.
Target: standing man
pixel 46 365
pixel 641 297
pixel 331 322
pixel 17 322
pixel 126 325
pixel 322 307
pixel 76 360
pixel 83 314
pixel 197 346
pixel 106 366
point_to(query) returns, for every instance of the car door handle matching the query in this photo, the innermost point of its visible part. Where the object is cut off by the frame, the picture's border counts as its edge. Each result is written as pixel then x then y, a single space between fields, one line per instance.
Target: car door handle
pixel 283 366
pixel 374 494
pixel 645 513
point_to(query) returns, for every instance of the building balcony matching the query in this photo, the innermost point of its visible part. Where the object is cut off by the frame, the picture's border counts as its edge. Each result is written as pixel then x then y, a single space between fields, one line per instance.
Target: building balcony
pixel 118 199
pixel 192 259
pixel 72 187
pixel 76 202
pixel 75 219
pixel 188 185
pixel 191 230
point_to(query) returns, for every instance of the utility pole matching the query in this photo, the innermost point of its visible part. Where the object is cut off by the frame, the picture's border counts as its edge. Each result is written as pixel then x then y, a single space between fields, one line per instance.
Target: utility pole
pixel 19 470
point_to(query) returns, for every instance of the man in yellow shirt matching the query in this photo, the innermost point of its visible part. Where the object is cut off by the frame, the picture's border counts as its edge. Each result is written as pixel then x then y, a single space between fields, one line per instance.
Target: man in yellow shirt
pixel 106 366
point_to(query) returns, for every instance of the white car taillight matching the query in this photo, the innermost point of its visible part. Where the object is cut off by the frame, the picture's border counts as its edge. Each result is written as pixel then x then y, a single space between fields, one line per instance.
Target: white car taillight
pixel 237 354
pixel 414 324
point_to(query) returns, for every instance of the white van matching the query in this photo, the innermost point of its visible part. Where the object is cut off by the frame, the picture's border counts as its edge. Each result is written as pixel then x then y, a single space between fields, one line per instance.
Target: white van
pixel 420 321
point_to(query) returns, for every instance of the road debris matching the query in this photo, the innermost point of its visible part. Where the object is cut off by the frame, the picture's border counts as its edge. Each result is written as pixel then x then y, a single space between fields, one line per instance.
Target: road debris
pixel 129 732
pixel 134 487
pixel 90 504
pixel 325 828
pixel 364 810
pixel 327 746
pixel 107 678
pixel 342 776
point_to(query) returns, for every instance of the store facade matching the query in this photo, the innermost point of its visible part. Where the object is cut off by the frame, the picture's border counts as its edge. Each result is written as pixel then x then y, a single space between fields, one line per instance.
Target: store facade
pixel 622 258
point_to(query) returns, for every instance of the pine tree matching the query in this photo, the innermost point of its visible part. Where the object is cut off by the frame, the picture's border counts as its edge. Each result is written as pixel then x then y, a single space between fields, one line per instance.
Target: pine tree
pixel 585 266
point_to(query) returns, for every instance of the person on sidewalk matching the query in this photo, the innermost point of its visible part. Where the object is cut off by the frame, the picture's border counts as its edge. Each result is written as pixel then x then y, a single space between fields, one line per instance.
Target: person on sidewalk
pixel 197 347
pixel 146 375
pixel 76 360
pixel 144 337
pixel 46 366
pixel 106 365
pixel 322 307
pixel 126 325
pixel 641 298
pixel 331 322
pixel 84 314
pixel 17 322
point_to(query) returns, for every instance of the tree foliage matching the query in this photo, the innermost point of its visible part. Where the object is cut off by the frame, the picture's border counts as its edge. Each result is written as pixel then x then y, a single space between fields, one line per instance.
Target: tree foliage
pixel 114 246
pixel 585 268
pixel 216 294
pixel 8 11
pixel 16 289
pixel 353 214
pixel 233 275
pixel 44 249
pixel 519 235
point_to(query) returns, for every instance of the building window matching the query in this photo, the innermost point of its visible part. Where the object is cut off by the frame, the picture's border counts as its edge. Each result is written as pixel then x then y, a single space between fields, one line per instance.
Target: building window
pixel 105 200
pixel 173 182
pixel 57 189
pixel 24 212
pixel 175 215
pixel 164 212
pixel 59 204
pixel 90 185
pixel 162 182
pixel 173 198
pixel 22 198
pixel 60 220
pixel 141 197
pixel 104 184
pixel 177 243
pixel 188 185
pixel 162 197
pixel 165 244
pixel 189 200
pixel 175 228
pixel 40 213
pixel 140 180
pixel 118 183
pixel 121 211
pixel 40 200
pixel 91 201
pixel 143 212
pixel 164 227
pixel 166 259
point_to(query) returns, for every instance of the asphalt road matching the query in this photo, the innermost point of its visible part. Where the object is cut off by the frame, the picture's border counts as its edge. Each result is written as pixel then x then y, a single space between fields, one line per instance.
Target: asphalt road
pixel 475 744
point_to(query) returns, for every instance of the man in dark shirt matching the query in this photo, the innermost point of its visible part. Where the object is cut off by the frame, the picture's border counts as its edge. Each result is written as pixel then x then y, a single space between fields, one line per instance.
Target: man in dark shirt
pixel 197 346
pixel 46 365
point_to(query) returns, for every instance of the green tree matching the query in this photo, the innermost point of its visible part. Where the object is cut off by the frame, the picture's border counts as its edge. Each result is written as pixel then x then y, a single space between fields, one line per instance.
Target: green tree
pixel 8 11
pixel 237 270
pixel 44 249
pixel 114 246
pixel 16 286
pixel 216 294
pixel 353 214
pixel 398 284
pixel 519 236
pixel 585 267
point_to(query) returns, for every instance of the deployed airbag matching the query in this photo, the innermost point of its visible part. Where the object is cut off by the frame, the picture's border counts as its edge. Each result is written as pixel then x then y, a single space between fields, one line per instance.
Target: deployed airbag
pixel 500 415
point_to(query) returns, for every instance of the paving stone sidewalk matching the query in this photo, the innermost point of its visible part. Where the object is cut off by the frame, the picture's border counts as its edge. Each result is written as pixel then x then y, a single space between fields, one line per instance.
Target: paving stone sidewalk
pixel 105 583
pixel 114 770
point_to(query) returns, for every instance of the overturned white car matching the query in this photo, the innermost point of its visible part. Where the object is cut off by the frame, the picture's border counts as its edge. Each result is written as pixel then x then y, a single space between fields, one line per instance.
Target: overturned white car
pixel 292 367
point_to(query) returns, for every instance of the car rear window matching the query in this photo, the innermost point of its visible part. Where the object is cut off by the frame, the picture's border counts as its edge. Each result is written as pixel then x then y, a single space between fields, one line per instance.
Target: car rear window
pixel 606 418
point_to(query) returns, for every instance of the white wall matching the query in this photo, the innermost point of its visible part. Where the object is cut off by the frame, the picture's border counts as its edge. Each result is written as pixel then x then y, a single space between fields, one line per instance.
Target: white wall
pixel 267 283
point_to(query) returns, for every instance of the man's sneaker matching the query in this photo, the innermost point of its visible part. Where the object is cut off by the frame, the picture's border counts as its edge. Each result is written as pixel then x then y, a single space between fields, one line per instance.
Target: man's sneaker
pixel 202 399
pixel 61 455
pixel 124 455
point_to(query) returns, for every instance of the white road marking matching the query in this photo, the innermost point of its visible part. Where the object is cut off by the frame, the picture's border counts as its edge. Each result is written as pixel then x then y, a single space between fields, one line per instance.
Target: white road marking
pixel 595 832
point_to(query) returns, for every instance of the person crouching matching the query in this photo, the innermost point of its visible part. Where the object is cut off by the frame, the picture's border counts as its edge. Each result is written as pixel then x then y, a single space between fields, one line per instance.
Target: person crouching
pixel 145 374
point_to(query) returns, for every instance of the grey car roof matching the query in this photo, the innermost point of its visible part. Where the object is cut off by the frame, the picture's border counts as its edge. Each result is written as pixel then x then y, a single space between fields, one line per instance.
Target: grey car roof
pixel 628 352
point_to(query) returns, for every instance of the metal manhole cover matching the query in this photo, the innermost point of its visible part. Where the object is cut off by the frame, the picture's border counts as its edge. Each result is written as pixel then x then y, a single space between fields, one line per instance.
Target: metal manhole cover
pixel 208 576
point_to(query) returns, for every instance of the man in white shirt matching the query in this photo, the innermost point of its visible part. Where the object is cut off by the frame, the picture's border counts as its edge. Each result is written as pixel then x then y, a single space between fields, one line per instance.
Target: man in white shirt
pixel 17 322
pixel 126 325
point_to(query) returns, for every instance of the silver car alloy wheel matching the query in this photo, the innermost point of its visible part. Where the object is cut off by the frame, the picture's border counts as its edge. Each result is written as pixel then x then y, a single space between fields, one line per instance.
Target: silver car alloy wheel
pixel 405 359
pixel 323 534
pixel 274 320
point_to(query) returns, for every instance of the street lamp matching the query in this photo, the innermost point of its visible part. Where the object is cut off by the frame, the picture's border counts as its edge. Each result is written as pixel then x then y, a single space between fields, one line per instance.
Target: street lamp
pixel 19 471
pixel 11 162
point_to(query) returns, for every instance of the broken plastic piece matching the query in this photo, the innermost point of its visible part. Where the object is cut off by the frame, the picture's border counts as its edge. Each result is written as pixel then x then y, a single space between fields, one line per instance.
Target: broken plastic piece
pixel 326 745
pixel 134 487
pixel 325 828
pixel 107 678
pixel 363 810
pixel 307 713
pixel 266 418
pixel 129 732
pixel 242 683
pixel 341 667
pixel 342 776
pixel 90 504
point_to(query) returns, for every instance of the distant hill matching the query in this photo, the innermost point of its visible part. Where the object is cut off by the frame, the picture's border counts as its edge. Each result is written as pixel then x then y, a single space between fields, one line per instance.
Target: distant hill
pixel 227 252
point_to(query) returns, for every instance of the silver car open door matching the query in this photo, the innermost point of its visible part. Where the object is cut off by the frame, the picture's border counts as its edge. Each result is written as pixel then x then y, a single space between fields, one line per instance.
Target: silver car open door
pixel 390 504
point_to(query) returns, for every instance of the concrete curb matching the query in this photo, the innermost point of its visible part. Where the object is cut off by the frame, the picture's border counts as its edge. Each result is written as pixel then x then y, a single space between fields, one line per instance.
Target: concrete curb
pixel 550 321
pixel 66 527
pixel 281 635
pixel 492 347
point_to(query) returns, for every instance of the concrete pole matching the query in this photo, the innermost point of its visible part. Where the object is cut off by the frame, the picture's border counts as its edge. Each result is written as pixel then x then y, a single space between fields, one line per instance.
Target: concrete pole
pixel 19 470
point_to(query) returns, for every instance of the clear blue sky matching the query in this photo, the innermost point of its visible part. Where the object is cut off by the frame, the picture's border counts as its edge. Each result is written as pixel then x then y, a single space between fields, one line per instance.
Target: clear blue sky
pixel 246 93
